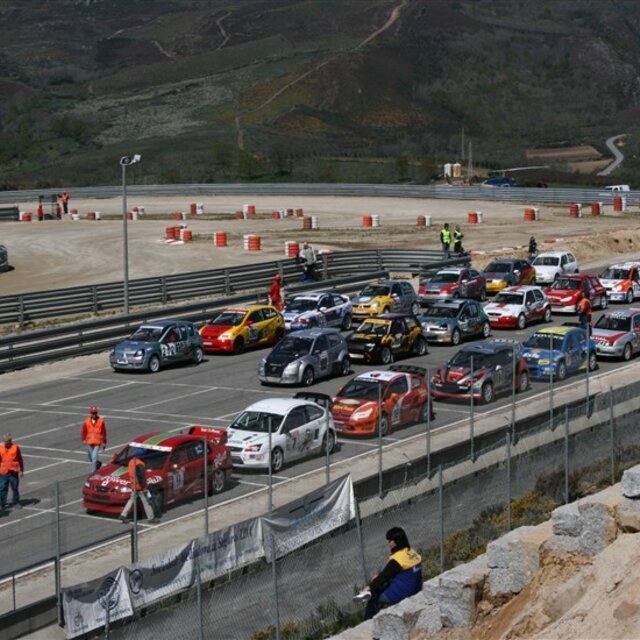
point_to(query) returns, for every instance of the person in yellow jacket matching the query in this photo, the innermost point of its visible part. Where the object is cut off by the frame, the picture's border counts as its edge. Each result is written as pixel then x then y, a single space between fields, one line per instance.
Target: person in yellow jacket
pixel 11 470
pixel 94 435
pixel 445 239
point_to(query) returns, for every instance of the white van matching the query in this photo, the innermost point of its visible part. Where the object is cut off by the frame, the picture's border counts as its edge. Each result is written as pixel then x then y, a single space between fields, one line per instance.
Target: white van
pixel 617 187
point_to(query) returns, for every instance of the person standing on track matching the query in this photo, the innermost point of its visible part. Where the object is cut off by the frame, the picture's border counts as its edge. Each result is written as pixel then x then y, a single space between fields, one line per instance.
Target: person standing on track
pixel 533 249
pixel 584 313
pixel 65 201
pixel 275 293
pixel 94 435
pixel 11 470
pixel 457 240
pixel 445 240
pixel 138 476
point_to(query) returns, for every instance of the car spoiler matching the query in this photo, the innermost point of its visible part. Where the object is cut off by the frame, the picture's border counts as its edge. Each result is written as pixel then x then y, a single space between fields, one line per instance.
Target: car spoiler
pixel 319 398
pixel 515 344
pixel 408 368
pixel 216 435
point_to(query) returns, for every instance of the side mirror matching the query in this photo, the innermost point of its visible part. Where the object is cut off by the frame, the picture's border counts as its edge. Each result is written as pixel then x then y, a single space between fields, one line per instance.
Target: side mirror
pixel 249 322
pixel 323 308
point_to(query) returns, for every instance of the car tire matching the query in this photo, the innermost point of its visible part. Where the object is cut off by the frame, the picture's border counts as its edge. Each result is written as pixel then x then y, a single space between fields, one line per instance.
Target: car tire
pixel 331 444
pixel 308 377
pixel 277 460
pixel 424 412
pixel 218 481
pixel 627 352
pixel 456 337
pixel 198 355
pixel 486 329
pixel 157 502
pixel 347 322
pixel 592 362
pixel 420 347
pixel 384 425
pixel 345 366
pixel 386 310
pixel 456 295
pixel 547 315
pixel 238 345
pixel 415 308
pixel 523 383
pixel 521 323
pixel 604 301
pixel 385 355
pixel 629 297
pixel 487 393
pixel 562 371
pixel 154 364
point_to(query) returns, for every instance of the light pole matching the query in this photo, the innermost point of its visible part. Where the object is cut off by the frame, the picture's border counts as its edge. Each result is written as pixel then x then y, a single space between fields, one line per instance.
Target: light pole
pixel 125 161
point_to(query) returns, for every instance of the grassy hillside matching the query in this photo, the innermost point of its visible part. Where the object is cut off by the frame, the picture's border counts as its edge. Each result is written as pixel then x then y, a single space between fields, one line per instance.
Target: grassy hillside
pixel 329 90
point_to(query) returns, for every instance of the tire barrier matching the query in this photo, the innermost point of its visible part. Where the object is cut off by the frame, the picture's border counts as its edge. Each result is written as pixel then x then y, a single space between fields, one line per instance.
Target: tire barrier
pixel 299 213
pixel 291 249
pixel 531 214
pixel 474 217
pixel 314 222
pixel 26 216
pixel 619 203
pixel 306 222
pixel 367 221
pixel 249 209
pixel 375 221
pixel 186 235
pixel 596 208
pixel 574 210
pixel 91 215
pixel 251 242
pixel 220 239
pixel 193 208
pixel 424 221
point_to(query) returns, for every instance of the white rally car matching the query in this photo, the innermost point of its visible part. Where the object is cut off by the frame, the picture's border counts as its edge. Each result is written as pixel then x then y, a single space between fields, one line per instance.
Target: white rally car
pixel 300 426
pixel 321 309
pixel 515 307
pixel 622 281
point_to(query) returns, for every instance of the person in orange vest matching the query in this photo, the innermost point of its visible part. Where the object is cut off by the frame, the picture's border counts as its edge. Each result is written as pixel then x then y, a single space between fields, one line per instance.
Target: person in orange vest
pixel 94 435
pixel 65 201
pixel 138 476
pixel 11 470
pixel 584 313
pixel 275 294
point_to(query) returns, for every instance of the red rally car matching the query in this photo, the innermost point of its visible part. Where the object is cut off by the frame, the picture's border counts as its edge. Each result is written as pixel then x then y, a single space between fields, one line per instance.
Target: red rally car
pixel 175 469
pixel 566 292
pixel 403 395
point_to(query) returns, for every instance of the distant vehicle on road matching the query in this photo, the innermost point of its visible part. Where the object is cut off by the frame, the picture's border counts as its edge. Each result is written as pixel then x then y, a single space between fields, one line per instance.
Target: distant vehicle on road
pixel 617 334
pixel 464 282
pixel 499 181
pixel 508 272
pixel 515 307
pixel 321 309
pixel 617 187
pixel 385 296
pixel 551 264
pixel 622 281
pixel 566 292
pixel 450 321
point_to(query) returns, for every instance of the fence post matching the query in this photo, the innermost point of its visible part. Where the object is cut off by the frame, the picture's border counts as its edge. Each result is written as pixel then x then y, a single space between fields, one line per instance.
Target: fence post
pixel 135 515
pixel 441 510
pixel 94 294
pixel 206 486
pixel 327 461
pixel 380 440
pixel 21 310
pixel 513 397
pixel 58 568
pixel 586 331
pixel 274 575
pixel 270 492
pixel 227 282
pixel 613 437
pixel 199 596
pixel 471 415
pixel 430 408
pixel 508 480
pixel 566 455
pixel 551 425
pixel 365 575
pixel 13 593
pixel 163 289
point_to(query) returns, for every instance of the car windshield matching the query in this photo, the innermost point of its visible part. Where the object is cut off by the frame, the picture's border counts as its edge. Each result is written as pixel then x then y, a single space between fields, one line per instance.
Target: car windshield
pixel 373 290
pixel 615 274
pixel 499 267
pixel 152 459
pixel 542 341
pixel 147 334
pixel 445 277
pixel 229 318
pixel 257 421
pixel 508 298
pixel 378 328
pixel 363 389
pixel 441 312
pixel 546 261
pixel 614 323
pixel 294 346
pixel 566 284
pixel 462 359
pixel 301 304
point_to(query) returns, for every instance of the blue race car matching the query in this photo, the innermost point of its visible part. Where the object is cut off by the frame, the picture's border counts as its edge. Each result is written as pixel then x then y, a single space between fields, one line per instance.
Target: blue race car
pixel 559 351
pixel 321 309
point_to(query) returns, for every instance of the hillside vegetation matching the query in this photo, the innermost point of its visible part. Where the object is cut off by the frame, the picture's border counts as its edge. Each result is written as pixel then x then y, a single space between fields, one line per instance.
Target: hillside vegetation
pixel 308 90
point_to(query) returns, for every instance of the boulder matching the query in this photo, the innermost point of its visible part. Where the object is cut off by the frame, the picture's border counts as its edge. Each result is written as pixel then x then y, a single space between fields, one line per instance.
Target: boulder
pixel 459 590
pixel 628 515
pixel 565 520
pixel 396 622
pixel 513 561
pixel 631 482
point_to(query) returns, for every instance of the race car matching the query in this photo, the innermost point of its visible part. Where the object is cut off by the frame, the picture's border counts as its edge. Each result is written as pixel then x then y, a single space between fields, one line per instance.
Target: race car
pixel 234 330
pixel 622 281
pixel 453 283
pixel 401 393
pixel 174 469
pixel 482 371
pixel 617 334
pixel 515 307
pixel 551 264
pixel 323 309
pixel 382 338
pixel 508 273
pixel 156 345
pixel 567 291
pixel 558 351
pixel 450 321
pixel 385 296
pixel 300 426
pixel 304 356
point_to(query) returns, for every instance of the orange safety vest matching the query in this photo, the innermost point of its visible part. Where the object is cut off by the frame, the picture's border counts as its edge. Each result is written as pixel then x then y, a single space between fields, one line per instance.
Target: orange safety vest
pixel 132 473
pixel 94 433
pixel 10 459
pixel 65 197
pixel 584 306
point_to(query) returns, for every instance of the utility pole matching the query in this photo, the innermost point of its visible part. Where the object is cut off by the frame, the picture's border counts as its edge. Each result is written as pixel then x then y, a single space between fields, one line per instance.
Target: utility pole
pixel 470 169
pixel 462 144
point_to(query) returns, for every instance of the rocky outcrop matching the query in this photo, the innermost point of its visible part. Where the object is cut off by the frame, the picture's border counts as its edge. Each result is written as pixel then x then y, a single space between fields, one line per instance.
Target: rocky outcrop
pixel 513 560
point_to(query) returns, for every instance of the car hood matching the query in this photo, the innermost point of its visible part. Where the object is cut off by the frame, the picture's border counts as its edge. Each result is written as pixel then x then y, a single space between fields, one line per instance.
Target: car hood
pixel 364 299
pixel 563 293
pixel 364 337
pixel 292 315
pixel 242 438
pixel 608 284
pixel 134 345
pixel 545 268
pixel 283 358
pixel 504 308
pixel 214 330
pixel 346 406
pixel 539 354
pixel 436 321
pixel 607 335
pixel 114 475
pixel 497 276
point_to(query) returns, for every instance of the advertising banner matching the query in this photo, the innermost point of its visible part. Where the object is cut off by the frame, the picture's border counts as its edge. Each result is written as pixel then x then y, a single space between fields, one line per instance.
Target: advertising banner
pixel 87 605
pixel 308 518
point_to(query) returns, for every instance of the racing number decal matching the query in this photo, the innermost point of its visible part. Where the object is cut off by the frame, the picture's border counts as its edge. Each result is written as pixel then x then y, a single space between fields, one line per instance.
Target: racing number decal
pixel 177 480
pixel 168 350
pixel 254 333
pixel 395 413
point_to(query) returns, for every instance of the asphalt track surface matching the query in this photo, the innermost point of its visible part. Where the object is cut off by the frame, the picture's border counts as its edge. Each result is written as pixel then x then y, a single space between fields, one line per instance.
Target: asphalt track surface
pixel 46 421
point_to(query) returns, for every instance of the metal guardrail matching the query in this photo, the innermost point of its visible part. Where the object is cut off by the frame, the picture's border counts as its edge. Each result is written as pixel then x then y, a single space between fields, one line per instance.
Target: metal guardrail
pixel 162 290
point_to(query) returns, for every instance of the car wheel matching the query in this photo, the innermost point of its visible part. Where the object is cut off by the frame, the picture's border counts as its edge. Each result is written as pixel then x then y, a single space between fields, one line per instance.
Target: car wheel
pixel 218 481
pixel 347 322
pixel 157 502
pixel 523 383
pixel 420 347
pixel 384 425
pixel 238 345
pixel 345 366
pixel 627 352
pixel 386 310
pixel 415 309
pixel 385 355
pixel 456 295
pixel 522 321
pixel 593 361
pixel 629 296
pixel 604 301
pixel 487 393
pixel 456 337
pixel 547 315
pixel 486 330
pixel 154 364
pixel 277 460
pixel 198 355
pixel 308 377
pixel 328 442
pixel 424 412
pixel 562 371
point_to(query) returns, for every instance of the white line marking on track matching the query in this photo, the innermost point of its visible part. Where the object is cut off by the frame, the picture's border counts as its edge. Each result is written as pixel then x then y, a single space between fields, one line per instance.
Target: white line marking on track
pixel 30 446
pixel 252 484
pixel 46 466
pixel 164 400
pixel 40 433
pixel 87 393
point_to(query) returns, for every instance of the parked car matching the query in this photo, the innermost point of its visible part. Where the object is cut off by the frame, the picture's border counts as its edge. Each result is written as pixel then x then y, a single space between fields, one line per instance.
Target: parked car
pixel 158 344
pixel 380 401
pixel 382 338
pixel 499 181
pixel 481 371
pixel 617 187
pixel 453 283
pixel 174 467
pixel 235 329
pixel 551 264
pixel 385 296
pixel 559 351
pixel 304 356
pixel 300 426
pixel 450 321
pixel 622 281
pixel 567 291
pixel 500 274
pixel 617 334
pixel 322 309
pixel 515 307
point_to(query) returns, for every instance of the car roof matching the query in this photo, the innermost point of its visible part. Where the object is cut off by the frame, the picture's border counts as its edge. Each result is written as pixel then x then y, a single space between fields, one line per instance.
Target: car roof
pixel 553 254
pixel 392 315
pixel 161 324
pixel 313 295
pixel 523 288
pixel 380 374
pixel 557 331
pixel 278 405
pixel 315 332
pixel 246 309
pixel 576 276
pixel 455 302
pixel 487 347
pixel 503 260
pixel 625 265
pixel 622 313
pixel 388 281
pixel 456 271
pixel 156 441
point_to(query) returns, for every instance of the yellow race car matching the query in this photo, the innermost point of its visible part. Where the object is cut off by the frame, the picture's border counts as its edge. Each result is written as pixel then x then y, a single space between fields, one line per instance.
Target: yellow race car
pixel 235 329
pixel 385 296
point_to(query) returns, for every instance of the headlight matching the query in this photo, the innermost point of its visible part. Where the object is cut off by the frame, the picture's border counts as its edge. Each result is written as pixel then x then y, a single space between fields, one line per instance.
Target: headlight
pixel 113 352
pixel 139 353
pixel 363 415
pixel 292 367
pixel 566 299
pixel 253 448
pixel 369 345
pixel 87 485
pixel 227 335
pixel 617 287
pixel 262 367
pixel 374 305
pixel 124 489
